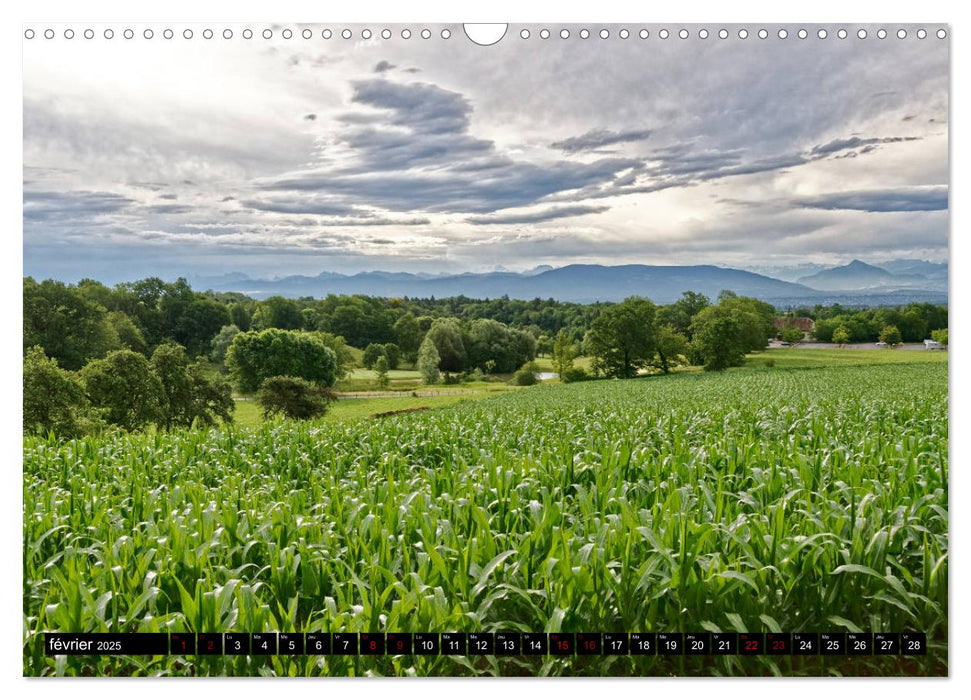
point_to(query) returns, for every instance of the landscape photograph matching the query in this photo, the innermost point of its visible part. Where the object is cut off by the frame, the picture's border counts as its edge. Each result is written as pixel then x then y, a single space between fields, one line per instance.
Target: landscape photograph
pixel 601 350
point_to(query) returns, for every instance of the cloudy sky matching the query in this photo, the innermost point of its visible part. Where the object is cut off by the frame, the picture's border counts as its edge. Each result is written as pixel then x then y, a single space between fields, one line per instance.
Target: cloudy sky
pixel 282 156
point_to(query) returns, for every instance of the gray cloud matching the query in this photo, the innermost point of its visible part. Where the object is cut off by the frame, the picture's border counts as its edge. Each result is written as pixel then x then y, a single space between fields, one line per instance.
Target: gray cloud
pixel 304 205
pixel 539 216
pixel 837 145
pixel 516 185
pixel 383 66
pixel 168 209
pixel 897 199
pixel 428 161
pixel 344 215
pixel 71 206
pixel 598 138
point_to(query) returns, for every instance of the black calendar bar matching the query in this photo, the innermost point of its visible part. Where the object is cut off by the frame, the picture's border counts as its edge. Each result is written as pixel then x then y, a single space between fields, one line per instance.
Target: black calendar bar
pixel 564 644
pixel 106 644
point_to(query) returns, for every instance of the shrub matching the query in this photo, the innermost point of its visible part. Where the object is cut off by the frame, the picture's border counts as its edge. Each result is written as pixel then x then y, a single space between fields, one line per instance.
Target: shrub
pixel 770 362
pixel 526 375
pixel 294 397
pixel 574 374
pixel 791 335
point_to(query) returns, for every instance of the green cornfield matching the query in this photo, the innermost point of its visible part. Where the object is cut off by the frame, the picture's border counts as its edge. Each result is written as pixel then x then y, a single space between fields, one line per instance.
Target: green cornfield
pixel 756 500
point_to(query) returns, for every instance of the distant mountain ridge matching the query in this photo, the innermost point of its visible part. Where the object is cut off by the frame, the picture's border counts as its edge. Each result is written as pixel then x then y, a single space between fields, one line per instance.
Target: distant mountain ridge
pixel 861 276
pixel 579 283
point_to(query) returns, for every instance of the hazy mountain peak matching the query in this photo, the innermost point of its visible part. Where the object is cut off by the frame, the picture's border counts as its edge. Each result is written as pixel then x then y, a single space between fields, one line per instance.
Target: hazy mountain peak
pixel 858 276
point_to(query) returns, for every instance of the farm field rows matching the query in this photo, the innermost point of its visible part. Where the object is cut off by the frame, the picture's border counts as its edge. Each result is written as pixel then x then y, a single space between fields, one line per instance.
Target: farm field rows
pixel 760 499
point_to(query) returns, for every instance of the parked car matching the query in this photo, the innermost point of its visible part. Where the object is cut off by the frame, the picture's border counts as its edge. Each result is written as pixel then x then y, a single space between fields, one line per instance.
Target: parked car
pixel 881 344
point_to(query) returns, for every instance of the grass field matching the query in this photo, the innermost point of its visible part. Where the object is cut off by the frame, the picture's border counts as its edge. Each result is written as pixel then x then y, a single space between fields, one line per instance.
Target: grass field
pixel 248 413
pixel 545 363
pixel 797 497
pixel 393 374
pixel 811 357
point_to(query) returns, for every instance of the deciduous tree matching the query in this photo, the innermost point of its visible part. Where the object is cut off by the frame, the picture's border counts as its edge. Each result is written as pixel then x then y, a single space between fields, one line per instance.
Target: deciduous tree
pixel 623 338
pixel 294 397
pixel 428 362
pixel 255 356
pixel 124 387
pixel 54 399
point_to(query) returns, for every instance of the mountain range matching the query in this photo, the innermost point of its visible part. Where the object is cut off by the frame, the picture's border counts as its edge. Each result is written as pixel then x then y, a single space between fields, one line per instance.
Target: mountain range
pixel 859 275
pixel 910 279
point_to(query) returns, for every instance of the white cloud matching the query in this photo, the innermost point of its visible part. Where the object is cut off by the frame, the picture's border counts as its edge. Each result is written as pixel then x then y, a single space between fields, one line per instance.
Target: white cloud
pixel 421 155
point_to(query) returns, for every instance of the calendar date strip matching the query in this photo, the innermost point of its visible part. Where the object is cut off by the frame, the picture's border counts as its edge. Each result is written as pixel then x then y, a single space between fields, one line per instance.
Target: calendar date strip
pixel 486 644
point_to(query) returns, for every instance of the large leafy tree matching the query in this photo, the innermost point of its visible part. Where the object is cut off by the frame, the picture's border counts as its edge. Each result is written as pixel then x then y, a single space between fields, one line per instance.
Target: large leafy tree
pixel 408 335
pixel 446 334
pixel 671 346
pixel 293 397
pixel 724 333
pixel 278 312
pixel 360 320
pixel 140 300
pixel 344 355
pixel 124 386
pixel 189 318
pixel 255 356
pixel 679 314
pixel 129 335
pixel 187 394
pixel 495 347
pixel 719 338
pixel 240 316
pixel 69 327
pixel 54 399
pixel 622 338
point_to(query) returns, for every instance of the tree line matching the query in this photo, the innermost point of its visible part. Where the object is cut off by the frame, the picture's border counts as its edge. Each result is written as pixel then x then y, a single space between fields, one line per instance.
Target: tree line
pixel 152 352
pixel 915 322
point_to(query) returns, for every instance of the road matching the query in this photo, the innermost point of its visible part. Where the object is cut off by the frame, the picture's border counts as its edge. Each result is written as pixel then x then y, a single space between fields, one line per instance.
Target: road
pixel 849 346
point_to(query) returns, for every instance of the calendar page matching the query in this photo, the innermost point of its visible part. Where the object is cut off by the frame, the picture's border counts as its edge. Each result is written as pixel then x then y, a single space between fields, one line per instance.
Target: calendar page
pixel 614 350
